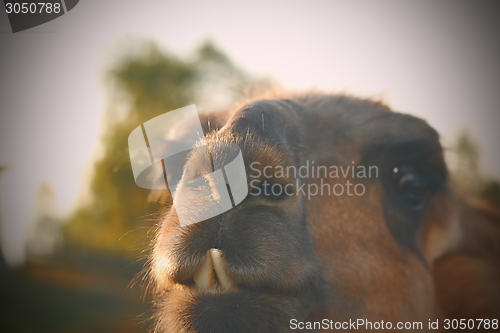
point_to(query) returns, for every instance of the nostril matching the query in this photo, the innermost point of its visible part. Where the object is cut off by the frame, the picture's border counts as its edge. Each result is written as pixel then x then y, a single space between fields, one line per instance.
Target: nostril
pixel 213 272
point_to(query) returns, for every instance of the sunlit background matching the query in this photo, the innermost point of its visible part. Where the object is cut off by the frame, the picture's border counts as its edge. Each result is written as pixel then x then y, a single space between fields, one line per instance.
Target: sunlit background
pixel 72 89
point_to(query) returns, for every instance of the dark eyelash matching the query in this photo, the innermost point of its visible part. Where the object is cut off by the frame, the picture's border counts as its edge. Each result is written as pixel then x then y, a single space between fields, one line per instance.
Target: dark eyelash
pixel 433 179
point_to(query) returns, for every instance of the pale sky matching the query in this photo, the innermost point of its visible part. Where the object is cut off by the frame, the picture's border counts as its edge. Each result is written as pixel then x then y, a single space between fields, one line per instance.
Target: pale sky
pixel 438 61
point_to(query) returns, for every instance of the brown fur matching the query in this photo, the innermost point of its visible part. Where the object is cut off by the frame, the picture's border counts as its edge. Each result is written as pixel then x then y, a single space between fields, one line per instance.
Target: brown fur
pixel 468 277
pixel 336 257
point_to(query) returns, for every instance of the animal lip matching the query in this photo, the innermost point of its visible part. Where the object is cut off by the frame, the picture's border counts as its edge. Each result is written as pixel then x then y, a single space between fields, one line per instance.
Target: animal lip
pixel 213 272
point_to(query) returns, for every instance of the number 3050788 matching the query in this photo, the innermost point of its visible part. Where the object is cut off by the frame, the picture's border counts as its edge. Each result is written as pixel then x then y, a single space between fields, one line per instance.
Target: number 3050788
pixel 456 324
pixel 32 7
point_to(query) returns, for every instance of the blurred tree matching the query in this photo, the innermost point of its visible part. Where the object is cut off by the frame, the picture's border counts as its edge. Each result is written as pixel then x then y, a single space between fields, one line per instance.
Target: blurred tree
pixel 466 175
pixel 153 82
pixel 3 263
pixel 43 233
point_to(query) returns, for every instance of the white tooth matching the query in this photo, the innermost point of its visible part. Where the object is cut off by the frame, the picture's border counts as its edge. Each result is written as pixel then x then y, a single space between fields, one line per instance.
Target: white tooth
pixel 220 269
pixel 204 277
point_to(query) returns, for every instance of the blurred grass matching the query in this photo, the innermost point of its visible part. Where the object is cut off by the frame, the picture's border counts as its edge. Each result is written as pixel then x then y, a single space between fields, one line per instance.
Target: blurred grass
pixel 73 292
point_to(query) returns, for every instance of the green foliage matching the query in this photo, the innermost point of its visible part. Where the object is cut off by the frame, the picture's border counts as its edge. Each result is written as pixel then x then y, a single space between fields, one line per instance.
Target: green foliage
pixel 491 192
pixel 467 176
pixel 153 82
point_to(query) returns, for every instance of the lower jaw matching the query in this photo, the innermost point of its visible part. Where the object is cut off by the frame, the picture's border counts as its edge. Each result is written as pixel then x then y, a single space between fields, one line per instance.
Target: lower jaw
pixel 189 310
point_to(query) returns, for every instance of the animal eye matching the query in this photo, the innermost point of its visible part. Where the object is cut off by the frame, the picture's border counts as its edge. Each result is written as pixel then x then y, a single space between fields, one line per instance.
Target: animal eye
pixel 412 185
